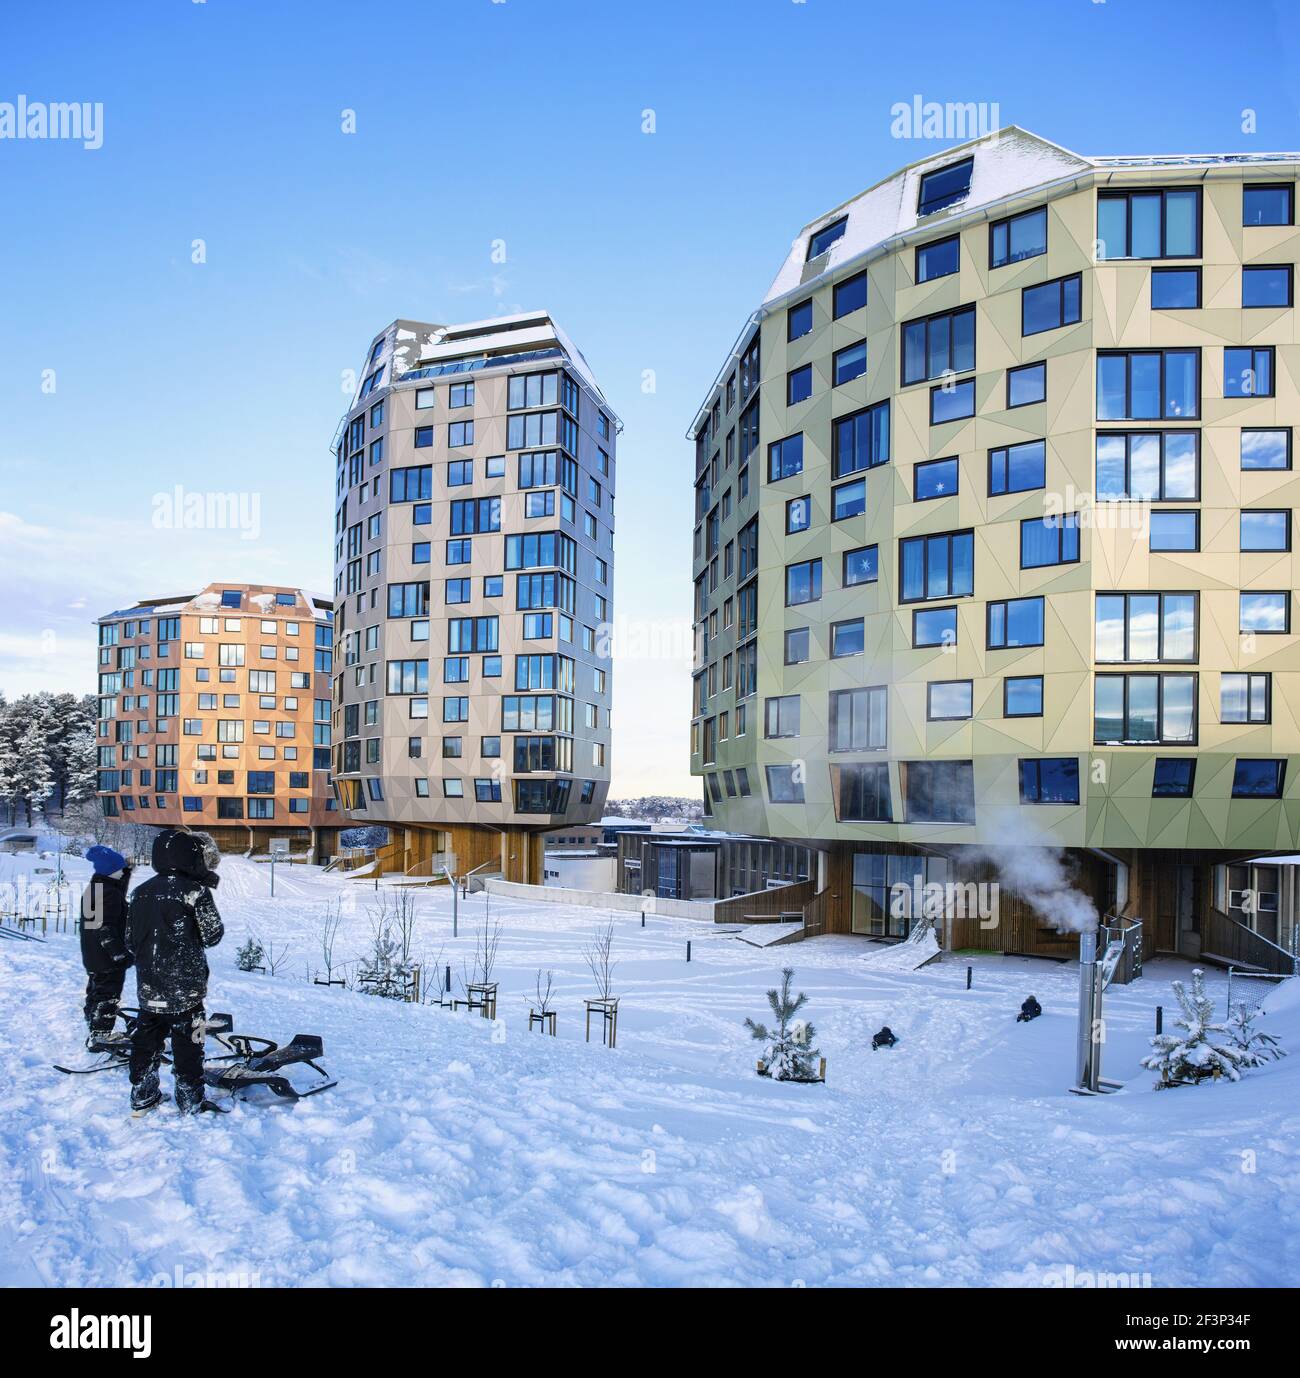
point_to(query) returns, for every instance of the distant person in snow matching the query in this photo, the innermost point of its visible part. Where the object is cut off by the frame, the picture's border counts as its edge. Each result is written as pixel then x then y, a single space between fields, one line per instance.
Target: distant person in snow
pixel 103 939
pixel 1031 1009
pixel 172 918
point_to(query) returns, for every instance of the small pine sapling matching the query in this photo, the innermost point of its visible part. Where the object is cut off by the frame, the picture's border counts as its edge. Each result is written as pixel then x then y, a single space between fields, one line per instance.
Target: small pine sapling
pixel 1203 1050
pixel 788 1054
pixel 251 955
pixel 1259 1046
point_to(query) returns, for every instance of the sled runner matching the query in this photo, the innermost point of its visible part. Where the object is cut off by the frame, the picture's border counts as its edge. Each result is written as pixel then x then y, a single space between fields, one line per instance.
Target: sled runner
pixel 254 1061
pixel 114 1049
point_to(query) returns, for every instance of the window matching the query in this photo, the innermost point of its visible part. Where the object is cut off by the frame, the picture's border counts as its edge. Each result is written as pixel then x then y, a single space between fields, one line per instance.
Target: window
pixel 1245 698
pixel 944 187
pixel 1138 709
pixel 849 295
pixel 861 566
pixel 798 385
pixel 1248 372
pixel 460 433
pixel 460 395
pixel 1258 779
pixel 1175 530
pixel 1018 237
pixel 934 627
pixel 849 363
pixel 526 390
pixel 822 240
pixel 411 485
pixel 952 401
pixel 423 437
pixel 1175 289
pixel 847 638
pixel 1026 385
pixel 1149 224
pixel 408 676
pixel 1145 626
pixel 781 716
pixel 1015 622
pixel 1022 696
pixel 785 458
pixel 799 320
pixel 1054 780
pixel 1267 285
pixel 939 791
pixel 1173 777
pixel 939 259
pixel 803 582
pixel 863 793
pixel 936 566
pixel 849 500
pixel 1051 305
pixel 1018 468
pixel 1268 204
pixel 1049 541
pixel 784 785
pixel 949 700
pixel 939 344
pixel 796 646
pixel 858 719
pixel 1148 466
pixel 1266 449
pixel 934 478
pixel 1266 530
pixel 798 515
pixel 1148 384
pixel 1267 613
pixel 859 441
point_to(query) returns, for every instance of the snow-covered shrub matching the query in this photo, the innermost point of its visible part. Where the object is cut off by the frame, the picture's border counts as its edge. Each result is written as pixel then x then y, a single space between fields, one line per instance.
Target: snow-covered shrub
pixel 1203 1049
pixel 788 1054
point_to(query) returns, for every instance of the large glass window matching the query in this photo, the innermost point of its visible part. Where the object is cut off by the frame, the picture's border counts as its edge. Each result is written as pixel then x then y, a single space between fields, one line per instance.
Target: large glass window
pixel 1175 289
pixel 1245 698
pixel 1018 468
pixel 1175 530
pixel 1150 384
pixel 934 627
pixel 1051 305
pixel 1253 779
pixel 934 478
pixel 1248 371
pixel 1145 626
pixel 1015 622
pixel 1137 709
pixel 1268 613
pixel 1173 777
pixel 1049 541
pixel 860 440
pixel 1262 530
pixel 1148 466
pixel 949 700
pixel 1052 780
pixel 1266 285
pixel 939 791
pixel 939 259
pixel 1266 449
pixel 1019 236
pixel 934 345
pixel 940 566
pixel 1268 203
pixel 862 796
pixel 858 719
pixel 784 785
pixel 1149 224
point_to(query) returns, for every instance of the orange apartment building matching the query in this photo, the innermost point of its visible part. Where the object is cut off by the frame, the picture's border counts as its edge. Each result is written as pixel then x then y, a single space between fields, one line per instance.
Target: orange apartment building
pixel 214 713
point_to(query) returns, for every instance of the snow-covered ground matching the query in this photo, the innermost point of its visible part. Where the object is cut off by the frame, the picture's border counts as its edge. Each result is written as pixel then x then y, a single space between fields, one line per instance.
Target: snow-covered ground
pixel 459 1151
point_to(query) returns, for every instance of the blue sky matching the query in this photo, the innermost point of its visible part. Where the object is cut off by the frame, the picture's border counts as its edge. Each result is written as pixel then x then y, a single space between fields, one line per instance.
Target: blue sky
pixel 475 122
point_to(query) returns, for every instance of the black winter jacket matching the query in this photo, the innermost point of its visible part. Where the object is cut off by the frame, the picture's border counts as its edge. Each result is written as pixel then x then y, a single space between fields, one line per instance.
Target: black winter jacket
pixel 171 919
pixel 103 924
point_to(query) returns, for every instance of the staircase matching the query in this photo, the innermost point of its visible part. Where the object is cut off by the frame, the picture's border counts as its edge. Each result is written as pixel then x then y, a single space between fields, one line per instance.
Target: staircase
pixel 1227 943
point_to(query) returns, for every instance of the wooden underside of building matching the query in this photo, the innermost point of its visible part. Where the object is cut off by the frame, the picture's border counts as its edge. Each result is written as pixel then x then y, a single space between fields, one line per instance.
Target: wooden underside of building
pixel 516 853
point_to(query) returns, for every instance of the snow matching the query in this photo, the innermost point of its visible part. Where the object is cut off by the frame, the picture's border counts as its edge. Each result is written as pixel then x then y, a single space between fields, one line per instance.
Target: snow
pixel 459 1151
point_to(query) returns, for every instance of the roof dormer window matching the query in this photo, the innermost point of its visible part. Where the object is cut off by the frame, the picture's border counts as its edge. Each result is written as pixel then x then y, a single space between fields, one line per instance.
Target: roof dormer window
pixel 820 242
pixel 945 187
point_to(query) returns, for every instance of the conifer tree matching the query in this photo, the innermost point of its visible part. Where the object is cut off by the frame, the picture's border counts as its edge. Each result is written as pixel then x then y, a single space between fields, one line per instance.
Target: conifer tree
pixel 1203 1049
pixel 788 1054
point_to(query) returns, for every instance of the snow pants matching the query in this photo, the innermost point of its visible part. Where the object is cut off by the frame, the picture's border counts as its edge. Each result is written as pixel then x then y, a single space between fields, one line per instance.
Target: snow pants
pixel 103 993
pixel 186 1031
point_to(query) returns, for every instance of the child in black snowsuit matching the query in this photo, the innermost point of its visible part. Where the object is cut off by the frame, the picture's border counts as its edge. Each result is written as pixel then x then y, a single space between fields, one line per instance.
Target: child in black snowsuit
pixel 103 939
pixel 171 919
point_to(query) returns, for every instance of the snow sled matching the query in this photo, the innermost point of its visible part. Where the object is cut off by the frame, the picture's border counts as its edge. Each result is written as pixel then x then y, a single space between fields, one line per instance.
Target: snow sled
pixel 253 1061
